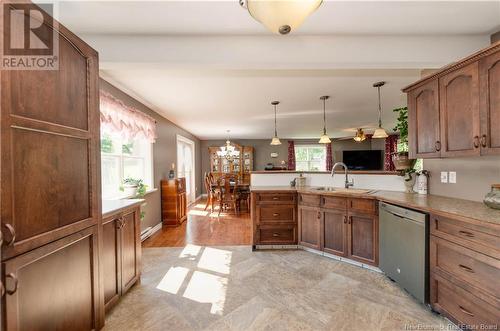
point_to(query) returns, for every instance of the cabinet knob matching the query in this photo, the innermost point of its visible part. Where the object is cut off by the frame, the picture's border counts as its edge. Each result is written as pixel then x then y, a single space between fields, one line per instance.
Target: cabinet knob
pixel 345 219
pixel 476 141
pixel 14 278
pixel 483 140
pixel 12 233
pixel 438 146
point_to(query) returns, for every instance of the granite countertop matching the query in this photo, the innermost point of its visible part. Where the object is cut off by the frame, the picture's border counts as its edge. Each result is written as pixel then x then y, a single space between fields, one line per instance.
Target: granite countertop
pixel 109 207
pixel 427 203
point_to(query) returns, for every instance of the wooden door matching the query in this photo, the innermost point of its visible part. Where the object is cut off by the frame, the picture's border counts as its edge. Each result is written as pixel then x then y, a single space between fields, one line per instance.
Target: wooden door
pixel 335 232
pixel 130 234
pixel 363 238
pixel 54 287
pixel 310 227
pixel 50 180
pixel 423 121
pixel 489 103
pixel 459 112
pixel 111 261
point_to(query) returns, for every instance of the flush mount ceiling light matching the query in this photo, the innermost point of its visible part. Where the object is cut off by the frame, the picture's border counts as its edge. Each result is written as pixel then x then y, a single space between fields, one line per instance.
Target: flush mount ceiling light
pixel 324 139
pixel 360 136
pixel 280 16
pixel 379 132
pixel 275 141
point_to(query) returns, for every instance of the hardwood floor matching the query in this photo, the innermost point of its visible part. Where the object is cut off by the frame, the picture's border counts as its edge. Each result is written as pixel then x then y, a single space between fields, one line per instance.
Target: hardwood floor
pixel 205 228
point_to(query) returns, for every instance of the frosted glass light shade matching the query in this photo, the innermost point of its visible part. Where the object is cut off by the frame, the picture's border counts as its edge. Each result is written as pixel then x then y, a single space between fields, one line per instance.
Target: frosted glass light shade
pixel 282 16
pixel 380 133
pixel 324 139
pixel 275 141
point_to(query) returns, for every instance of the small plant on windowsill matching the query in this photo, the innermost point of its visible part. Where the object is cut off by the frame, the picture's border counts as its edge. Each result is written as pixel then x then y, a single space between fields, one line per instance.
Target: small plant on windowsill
pixel 134 187
pixel 400 158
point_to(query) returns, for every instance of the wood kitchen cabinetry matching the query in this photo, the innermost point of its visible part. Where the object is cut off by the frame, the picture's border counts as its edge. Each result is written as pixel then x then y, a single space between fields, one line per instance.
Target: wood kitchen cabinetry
pixel 310 227
pixel 50 189
pixel 455 112
pixel 121 253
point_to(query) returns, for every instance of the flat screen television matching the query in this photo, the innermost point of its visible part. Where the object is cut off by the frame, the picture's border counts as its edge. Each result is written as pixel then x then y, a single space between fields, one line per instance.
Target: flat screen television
pixel 363 160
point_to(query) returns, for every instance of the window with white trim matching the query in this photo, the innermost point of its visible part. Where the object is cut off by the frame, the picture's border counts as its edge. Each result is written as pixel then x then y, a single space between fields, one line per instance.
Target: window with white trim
pixel 124 158
pixel 310 157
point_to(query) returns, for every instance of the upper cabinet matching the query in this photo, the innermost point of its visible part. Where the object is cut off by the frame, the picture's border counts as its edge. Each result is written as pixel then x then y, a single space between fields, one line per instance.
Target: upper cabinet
pixel 455 112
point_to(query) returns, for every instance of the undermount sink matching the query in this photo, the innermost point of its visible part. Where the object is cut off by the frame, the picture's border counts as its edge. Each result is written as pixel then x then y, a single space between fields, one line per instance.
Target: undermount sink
pixel 341 190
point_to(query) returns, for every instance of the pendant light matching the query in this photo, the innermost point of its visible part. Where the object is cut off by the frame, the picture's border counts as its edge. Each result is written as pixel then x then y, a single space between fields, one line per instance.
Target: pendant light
pixel 379 132
pixel 324 139
pixel 280 16
pixel 275 141
pixel 360 136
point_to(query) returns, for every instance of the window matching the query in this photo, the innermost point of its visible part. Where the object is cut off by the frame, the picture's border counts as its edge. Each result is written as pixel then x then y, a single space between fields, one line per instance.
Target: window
pixel 186 165
pixel 123 158
pixel 310 157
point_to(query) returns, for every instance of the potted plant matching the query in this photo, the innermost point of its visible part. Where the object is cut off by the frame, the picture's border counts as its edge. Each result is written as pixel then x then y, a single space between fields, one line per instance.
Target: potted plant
pixel 134 187
pixel 400 158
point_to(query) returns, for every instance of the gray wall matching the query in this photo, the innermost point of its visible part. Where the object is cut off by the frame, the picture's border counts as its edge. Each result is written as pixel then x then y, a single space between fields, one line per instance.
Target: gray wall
pixel 474 176
pixel 164 153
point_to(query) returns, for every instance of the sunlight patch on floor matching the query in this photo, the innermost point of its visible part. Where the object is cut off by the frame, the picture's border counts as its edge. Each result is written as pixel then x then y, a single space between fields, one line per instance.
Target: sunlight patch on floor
pixel 217 260
pixel 173 279
pixel 207 288
pixel 198 212
pixel 190 251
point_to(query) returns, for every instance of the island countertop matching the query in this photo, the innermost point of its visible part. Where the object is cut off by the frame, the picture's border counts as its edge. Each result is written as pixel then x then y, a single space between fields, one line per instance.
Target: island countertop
pixel 428 203
pixel 110 207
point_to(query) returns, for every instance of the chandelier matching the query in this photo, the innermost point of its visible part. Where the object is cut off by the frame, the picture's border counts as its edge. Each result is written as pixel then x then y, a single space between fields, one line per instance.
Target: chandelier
pixel 228 151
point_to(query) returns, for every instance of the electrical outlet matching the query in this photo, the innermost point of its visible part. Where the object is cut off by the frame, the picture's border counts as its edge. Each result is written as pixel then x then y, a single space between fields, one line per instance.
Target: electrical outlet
pixel 452 177
pixel 444 177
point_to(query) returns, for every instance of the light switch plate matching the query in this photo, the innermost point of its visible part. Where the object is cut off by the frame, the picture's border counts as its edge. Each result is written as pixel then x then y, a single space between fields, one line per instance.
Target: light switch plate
pixel 444 177
pixel 452 177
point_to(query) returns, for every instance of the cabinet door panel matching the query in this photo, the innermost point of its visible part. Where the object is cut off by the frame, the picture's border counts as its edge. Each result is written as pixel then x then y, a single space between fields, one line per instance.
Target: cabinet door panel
pixel 459 111
pixel 334 225
pixel 130 249
pixel 111 262
pixel 363 238
pixel 423 121
pixel 489 86
pixel 57 285
pixel 310 227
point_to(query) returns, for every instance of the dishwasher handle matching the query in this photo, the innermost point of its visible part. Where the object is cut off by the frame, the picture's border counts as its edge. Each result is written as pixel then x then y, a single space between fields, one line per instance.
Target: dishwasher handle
pixel 406 218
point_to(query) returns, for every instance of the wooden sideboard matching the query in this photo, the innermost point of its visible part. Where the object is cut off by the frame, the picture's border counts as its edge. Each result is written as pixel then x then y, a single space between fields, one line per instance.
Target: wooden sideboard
pixel 456 111
pixel 173 201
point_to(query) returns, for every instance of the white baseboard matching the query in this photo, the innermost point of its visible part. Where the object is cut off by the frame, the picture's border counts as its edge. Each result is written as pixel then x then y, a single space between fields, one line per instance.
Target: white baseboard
pixel 151 231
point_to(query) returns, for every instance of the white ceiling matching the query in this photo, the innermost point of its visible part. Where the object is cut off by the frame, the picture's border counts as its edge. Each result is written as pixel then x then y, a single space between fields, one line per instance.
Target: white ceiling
pixel 208 66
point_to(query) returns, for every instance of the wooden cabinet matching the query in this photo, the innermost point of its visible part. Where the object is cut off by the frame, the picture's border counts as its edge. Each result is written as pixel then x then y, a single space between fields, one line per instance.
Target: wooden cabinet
pixel 310 227
pixel 424 137
pixel 50 189
pixel 121 254
pixel 363 237
pixel 173 201
pixel 274 218
pixel 455 112
pixel 335 232
pixel 465 271
pixel 242 165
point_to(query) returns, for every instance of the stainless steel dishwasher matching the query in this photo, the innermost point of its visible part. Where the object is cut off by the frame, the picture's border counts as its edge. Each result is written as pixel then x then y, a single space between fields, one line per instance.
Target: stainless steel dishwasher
pixel 403 242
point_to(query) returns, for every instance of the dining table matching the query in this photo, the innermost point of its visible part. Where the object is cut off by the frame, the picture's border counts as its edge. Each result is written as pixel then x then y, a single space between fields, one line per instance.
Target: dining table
pixel 242 188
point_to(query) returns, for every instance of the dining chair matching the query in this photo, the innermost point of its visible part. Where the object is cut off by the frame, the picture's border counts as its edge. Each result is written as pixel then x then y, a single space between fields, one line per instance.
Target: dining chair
pixel 228 193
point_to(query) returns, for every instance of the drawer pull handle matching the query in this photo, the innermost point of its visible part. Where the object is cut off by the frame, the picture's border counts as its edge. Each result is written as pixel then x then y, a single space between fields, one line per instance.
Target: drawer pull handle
pixel 483 140
pixel 466 268
pixel 276 235
pixel 438 146
pixel 276 214
pixel 14 278
pixel 12 233
pixel 466 311
pixel 466 233
pixel 476 142
pixel 275 198
pixel 345 219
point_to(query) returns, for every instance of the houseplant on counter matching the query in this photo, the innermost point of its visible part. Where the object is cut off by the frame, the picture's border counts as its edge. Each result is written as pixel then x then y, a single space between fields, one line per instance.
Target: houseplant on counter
pixel 401 160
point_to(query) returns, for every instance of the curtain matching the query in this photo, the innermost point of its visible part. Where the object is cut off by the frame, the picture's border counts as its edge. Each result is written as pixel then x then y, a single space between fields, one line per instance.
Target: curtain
pixel 391 144
pixel 118 119
pixel 291 155
pixel 329 157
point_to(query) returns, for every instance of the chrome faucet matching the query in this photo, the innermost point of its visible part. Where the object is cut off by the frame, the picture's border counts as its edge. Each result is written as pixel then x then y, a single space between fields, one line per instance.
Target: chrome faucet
pixel 347 183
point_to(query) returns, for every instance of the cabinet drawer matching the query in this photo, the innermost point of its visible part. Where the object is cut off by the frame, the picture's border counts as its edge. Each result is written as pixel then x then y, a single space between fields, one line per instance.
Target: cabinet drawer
pixel 285 213
pixel 470 235
pixel 277 235
pixel 367 206
pixel 334 202
pixel 462 306
pixel 309 200
pixel 275 198
pixel 474 268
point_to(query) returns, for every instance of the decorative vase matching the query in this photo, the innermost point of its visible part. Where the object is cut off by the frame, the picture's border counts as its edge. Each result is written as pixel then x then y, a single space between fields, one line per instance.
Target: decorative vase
pixel 492 199
pixel 409 183
pixel 402 161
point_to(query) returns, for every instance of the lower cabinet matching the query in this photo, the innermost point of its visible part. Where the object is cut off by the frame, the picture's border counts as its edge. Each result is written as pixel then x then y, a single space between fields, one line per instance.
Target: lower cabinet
pixel 121 254
pixel 335 232
pixel 54 287
pixel 363 237
pixel 310 227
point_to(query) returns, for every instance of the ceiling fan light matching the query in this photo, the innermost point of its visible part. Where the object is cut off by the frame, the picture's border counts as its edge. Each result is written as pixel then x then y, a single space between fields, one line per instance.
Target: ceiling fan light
pixel 360 136
pixel 380 133
pixel 275 141
pixel 324 139
pixel 281 16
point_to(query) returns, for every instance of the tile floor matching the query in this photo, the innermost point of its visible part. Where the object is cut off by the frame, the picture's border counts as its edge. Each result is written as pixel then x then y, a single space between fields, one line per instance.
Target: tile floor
pixel 233 288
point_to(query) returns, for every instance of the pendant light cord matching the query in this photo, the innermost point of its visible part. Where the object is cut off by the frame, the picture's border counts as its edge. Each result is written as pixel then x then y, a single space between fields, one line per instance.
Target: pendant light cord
pixel 324 116
pixel 275 130
pixel 379 109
